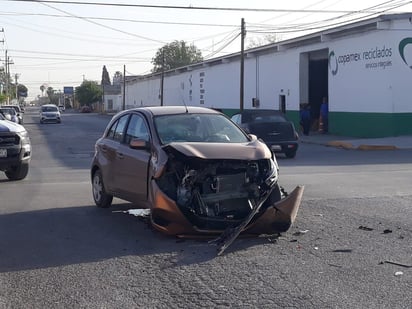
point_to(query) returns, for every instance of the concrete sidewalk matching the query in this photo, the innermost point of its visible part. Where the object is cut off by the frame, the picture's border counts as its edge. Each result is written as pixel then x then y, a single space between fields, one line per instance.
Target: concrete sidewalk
pixel 385 143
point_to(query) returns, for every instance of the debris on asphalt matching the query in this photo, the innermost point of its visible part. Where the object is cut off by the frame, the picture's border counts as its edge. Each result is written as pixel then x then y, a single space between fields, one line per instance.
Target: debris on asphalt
pixel 342 250
pixel 398 273
pixel 387 231
pixel 396 263
pixel 365 228
pixel 136 212
pixel 298 233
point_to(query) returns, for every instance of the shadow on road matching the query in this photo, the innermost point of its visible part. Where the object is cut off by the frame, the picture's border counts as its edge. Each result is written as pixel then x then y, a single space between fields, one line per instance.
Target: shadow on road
pixel 56 237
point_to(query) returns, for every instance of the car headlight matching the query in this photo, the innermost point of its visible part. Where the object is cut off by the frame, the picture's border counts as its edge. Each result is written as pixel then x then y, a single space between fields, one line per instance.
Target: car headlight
pixel 273 172
pixel 24 137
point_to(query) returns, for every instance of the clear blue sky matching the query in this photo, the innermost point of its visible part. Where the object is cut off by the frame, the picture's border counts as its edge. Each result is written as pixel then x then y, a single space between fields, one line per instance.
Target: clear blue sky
pixel 60 44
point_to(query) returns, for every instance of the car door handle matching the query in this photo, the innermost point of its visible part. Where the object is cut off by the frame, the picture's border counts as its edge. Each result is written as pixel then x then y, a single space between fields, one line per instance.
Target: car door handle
pixel 119 155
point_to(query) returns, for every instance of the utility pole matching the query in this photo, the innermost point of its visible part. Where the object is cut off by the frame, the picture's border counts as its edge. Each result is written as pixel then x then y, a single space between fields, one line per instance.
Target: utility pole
pixel 242 62
pixel 124 87
pixel 162 79
pixel 16 76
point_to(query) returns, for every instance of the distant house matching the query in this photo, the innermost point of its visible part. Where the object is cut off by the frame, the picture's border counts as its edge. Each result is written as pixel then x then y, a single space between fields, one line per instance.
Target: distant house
pixel 112 98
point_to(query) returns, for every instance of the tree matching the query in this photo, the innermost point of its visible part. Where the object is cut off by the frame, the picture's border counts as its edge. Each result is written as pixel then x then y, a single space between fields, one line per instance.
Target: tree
pixel 175 55
pixel 259 41
pixel 105 77
pixel 117 78
pixel 88 92
pixel 42 88
pixel 53 97
pixel 22 91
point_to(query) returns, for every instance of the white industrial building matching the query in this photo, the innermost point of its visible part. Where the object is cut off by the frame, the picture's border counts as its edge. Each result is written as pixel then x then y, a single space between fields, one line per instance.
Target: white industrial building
pixel 364 68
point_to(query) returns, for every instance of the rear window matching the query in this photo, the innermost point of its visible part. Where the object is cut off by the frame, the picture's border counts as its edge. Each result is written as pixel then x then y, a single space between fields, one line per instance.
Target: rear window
pixel 49 109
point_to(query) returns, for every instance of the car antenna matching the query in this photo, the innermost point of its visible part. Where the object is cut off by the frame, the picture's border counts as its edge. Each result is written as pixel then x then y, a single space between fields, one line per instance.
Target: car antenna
pixel 184 103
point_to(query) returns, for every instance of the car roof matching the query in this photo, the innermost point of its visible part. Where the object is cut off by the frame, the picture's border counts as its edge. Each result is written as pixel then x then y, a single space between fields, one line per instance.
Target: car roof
pixel 173 109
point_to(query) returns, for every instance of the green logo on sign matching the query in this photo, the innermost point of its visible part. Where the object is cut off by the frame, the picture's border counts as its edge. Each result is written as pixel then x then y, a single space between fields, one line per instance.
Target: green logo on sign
pixel 333 63
pixel 402 46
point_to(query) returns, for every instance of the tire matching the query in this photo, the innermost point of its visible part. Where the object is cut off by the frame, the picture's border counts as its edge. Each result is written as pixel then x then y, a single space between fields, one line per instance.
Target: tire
pixel 18 172
pixel 290 154
pixel 101 198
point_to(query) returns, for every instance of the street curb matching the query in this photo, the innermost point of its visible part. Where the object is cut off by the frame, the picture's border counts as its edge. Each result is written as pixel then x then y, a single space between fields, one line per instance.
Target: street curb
pixel 340 144
pixel 346 145
pixel 377 147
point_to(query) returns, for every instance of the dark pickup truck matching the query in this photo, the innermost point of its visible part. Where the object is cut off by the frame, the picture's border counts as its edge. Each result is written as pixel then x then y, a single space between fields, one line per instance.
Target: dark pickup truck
pixel 272 127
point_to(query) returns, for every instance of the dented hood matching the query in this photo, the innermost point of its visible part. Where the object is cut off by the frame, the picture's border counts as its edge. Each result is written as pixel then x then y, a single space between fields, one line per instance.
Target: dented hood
pixel 253 150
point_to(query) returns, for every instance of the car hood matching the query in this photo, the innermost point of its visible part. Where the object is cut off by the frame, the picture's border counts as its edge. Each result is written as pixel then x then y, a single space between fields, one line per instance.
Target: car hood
pixel 253 150
pixel 9 126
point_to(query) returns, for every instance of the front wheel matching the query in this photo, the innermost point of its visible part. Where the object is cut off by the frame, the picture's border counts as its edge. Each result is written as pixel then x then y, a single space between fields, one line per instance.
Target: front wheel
pixel 101 198
pixel 18 172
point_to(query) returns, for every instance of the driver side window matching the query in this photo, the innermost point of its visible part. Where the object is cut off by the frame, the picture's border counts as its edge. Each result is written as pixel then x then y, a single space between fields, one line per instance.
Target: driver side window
pixel 137 129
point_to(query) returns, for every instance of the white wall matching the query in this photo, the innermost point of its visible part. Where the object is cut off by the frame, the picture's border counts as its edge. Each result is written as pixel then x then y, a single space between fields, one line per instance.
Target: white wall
pixel 363 81
pixel 371 84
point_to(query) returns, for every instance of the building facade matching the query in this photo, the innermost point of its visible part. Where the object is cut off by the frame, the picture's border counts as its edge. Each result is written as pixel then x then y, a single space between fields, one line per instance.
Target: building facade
pixel 363 68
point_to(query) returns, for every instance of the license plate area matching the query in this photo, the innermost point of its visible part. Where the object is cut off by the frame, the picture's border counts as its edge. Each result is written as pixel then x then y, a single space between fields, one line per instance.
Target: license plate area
pixel 276 147
pixel 3 153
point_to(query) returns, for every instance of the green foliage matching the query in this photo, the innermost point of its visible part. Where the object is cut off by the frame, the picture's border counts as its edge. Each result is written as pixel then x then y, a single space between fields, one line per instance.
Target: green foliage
pixel 53 96
pixel 175 55
pixel 88 92
pixel 22 91
pixel 259 41
pixel 3 98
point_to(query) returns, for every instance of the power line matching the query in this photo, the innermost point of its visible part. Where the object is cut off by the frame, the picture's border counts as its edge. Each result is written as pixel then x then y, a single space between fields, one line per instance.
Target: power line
pixel 119 19
pixel 187 7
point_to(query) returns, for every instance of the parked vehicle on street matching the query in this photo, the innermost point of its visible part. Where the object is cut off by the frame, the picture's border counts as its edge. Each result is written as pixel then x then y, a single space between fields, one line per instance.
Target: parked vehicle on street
pixel 85 109
pixel 49 113
pixel 194 169
pixel 9 113
pixel 15 150
pixel 272 127
pixel 19 111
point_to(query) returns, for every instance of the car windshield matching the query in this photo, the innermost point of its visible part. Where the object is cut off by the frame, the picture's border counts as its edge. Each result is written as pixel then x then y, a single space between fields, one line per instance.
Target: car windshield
pixel 260 117
pixel 49 109
pixel 9 111
pixel 213 128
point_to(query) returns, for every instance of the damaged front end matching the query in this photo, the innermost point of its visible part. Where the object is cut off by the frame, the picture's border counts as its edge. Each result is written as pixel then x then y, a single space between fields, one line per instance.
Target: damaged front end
pixel 206 195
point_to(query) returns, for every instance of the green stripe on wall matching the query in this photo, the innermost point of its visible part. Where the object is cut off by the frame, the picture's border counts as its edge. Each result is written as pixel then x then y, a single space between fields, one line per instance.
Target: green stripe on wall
pixel 370 124
pixel 367 125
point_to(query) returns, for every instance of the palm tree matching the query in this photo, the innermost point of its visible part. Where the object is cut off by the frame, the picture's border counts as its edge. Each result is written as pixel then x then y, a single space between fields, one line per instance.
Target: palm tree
pixel 42 88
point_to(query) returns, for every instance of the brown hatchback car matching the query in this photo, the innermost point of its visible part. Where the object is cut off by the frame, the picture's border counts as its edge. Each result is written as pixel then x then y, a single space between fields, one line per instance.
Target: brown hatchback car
pixel 196 170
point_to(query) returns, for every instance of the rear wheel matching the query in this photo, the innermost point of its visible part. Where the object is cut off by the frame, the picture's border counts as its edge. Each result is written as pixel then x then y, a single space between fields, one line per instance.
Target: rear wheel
pixel 101 198
pixel 18 172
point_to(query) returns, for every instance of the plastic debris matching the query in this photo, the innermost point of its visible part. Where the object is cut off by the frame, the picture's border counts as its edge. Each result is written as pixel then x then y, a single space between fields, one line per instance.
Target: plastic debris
pixel 396 263
pixel 365 228
pixel 136 212
pixel 399 273
pixel 300 232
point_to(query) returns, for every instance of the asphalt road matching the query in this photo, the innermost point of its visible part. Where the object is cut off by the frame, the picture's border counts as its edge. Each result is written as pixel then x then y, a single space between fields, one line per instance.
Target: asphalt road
pixel 350 247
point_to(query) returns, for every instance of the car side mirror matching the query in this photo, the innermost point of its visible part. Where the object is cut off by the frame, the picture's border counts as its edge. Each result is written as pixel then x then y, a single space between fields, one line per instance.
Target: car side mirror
pixel 137 143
